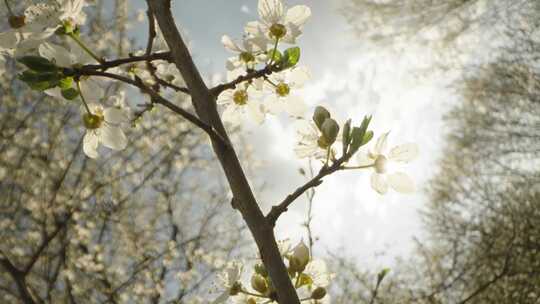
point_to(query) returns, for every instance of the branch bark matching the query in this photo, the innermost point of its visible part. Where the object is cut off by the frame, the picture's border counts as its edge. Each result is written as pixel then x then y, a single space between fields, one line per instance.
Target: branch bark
pixel 205 106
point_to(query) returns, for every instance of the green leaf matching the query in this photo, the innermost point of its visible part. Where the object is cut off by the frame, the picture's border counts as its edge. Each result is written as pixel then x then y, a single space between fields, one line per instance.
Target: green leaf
pixel 38 64
pixel 367 137
pixel 41 86
pixel 39 81
pixel 66 83
pixel 291 57
pixel 70 93
pixel 346 136
pixel 277 55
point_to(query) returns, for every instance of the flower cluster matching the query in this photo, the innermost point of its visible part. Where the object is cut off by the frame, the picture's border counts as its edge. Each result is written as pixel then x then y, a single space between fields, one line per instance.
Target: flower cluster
pixel 310 278
pixel 273 92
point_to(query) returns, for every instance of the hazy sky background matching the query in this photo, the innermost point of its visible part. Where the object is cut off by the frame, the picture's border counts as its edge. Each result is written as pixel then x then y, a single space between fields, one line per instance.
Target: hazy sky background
pixel 351 79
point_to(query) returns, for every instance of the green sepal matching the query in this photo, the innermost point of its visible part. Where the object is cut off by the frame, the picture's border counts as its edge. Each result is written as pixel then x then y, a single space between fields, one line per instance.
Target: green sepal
pixel 38 64
pixel 290 57
pixel 66 83
pixel 70 93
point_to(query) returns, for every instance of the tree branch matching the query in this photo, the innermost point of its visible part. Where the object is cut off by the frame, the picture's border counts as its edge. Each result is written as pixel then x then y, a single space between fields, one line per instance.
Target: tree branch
pixel 131 59
pixel 204 102
pixel 19 278
pixel 282 207
pixel 157 99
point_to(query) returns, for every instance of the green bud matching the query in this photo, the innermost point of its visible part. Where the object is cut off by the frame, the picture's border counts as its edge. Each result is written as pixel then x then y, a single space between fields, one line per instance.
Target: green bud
pixel 251 301
pixel 260 269
pixel 330 130
pixel 70 93
pixel 66 83
pixel 320 115
pixel 346 136
pixel 258 283
pixel 38 64
pixel 318 293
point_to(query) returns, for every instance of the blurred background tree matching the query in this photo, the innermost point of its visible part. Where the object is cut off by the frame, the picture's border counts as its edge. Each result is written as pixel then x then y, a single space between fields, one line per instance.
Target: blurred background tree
pixel 151 224
pixel 483 216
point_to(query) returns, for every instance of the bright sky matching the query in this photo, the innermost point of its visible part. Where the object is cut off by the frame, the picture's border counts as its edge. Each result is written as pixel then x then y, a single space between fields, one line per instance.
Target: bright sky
pixel 351 80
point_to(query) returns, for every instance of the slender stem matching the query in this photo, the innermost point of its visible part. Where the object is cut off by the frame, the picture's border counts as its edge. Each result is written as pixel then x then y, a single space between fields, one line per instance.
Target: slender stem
pixel 327 155
pixel 82 98
pixel 85 48
pixel 9 8
pixel 253 294
pixel 274 52
pixel 358 167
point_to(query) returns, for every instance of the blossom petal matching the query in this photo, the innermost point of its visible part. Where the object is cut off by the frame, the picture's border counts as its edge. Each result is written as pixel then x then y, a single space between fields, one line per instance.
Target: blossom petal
pixel 8 40
pixel 363 159
pixel 378 183
pixel 404 153
pixel 401 182
pixel 295 106
pixel 222 297
pixel 380 146
pixel 232 114
pixel 90 144
pixel 298 15
pixel 298 76
pixel 113 137
pixel 114 115
pixel 270 11
pixel 254 109
pixel 229 44
pixel 55 53
pixel 91 90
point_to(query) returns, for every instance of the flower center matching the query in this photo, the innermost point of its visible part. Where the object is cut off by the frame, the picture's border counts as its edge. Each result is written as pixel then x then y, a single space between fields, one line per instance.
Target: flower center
pixel 278 31
pixel 240 97
pixel 92 121
pixel 247 57
pixel 380 164
pixel 17 21
pixel 282 89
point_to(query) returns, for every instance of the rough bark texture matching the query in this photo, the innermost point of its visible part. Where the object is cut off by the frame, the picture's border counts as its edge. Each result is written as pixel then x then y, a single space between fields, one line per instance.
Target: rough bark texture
pixel 205 106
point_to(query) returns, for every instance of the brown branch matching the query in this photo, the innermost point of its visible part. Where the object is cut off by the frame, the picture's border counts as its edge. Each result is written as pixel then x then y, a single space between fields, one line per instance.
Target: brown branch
pixel 204 102
pixel 19 278
pixel 248 77
pixel 131 59
pixel 282 207
pixel 157 99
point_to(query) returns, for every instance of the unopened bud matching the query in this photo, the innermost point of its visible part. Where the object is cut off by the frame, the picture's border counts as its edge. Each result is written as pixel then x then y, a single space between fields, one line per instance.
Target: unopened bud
pixel 260 269
pixel 318 293
pixel 320 115
pixel 299 258
pixel 251 301
pixel 330 130
pixel 258 282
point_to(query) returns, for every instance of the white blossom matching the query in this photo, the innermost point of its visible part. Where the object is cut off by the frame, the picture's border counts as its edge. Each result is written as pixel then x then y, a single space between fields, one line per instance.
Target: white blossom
pixel 283 97
pixel 380 178
pixel 103 126
pixel 278 22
